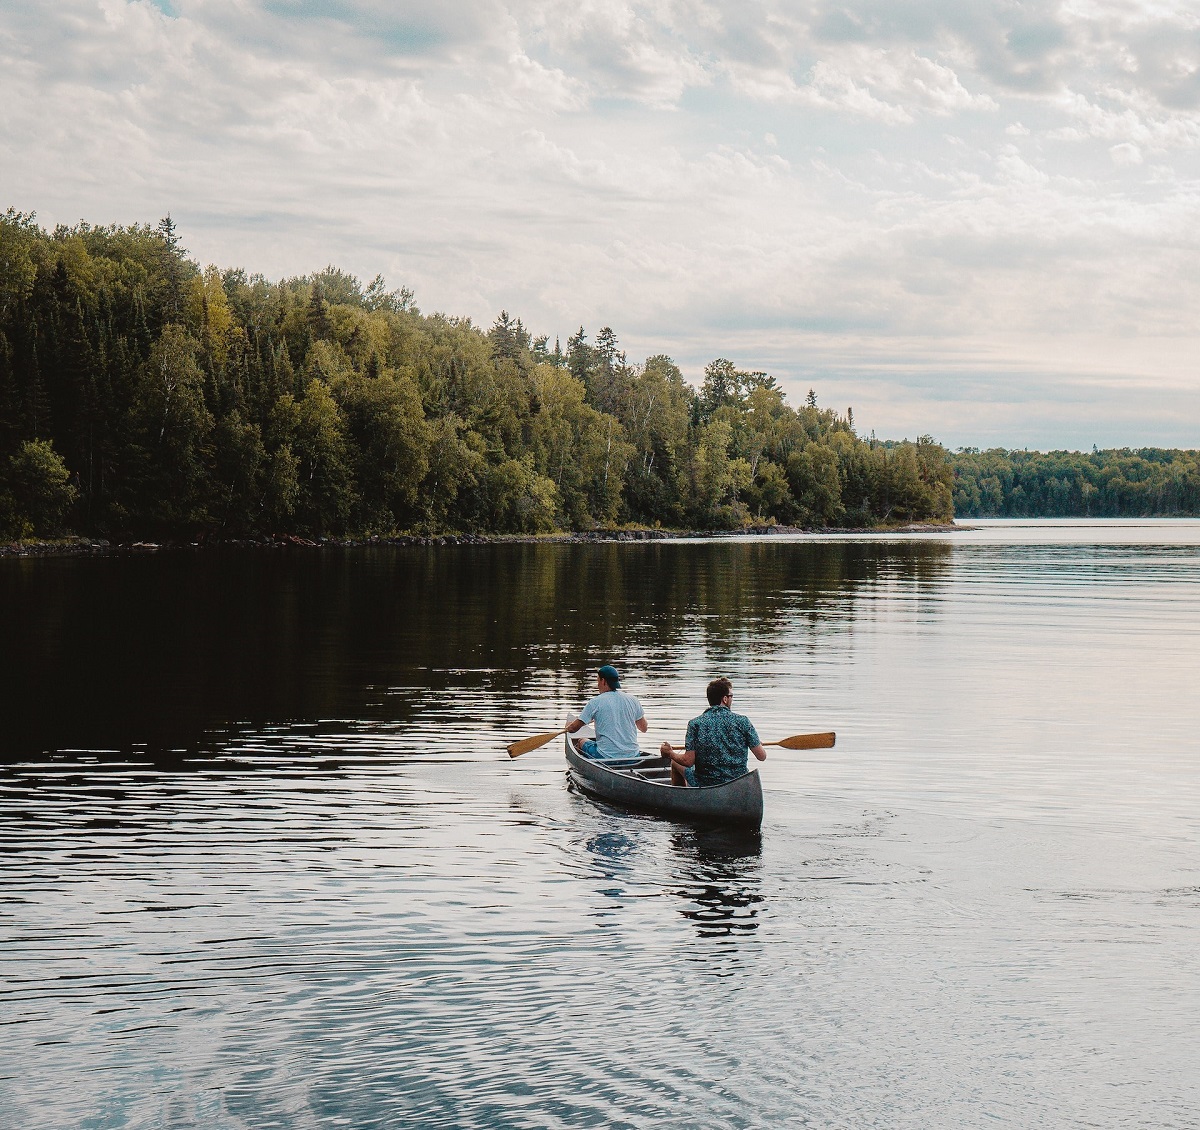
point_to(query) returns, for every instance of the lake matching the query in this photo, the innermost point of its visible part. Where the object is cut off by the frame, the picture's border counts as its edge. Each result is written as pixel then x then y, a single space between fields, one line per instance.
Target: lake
pixel 265 863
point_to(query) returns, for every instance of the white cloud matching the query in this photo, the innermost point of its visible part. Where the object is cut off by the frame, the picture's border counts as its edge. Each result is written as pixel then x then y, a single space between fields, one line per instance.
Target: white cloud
pixel 1126 153
pixel 623 50
pixel 893 86
pixel 867 190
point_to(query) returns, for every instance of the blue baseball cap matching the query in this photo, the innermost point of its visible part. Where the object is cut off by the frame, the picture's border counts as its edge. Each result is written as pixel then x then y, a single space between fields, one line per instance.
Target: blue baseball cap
pixel 609 674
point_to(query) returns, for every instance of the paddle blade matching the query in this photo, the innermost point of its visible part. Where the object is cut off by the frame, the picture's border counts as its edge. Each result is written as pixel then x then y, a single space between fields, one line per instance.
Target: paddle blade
pixel 535 742
pixel 807 741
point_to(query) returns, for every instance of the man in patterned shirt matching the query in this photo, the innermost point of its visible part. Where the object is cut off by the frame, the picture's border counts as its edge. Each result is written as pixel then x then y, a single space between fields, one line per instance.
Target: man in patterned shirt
pixel 716 743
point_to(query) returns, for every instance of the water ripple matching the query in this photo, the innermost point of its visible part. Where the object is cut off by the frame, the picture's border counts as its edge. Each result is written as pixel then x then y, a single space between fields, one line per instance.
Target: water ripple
pixel 977 909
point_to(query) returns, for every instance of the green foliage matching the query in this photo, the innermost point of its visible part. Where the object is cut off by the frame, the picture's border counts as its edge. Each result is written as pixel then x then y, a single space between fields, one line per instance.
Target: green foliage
pixel 1098 484
pixel 389 444
pixel 517 500
pixel 172 426
pixel 716 479
pixel 40 491
pixel 770 493
pixel 19 244
pixel 816 484
pixel 182 402
pixel 317 430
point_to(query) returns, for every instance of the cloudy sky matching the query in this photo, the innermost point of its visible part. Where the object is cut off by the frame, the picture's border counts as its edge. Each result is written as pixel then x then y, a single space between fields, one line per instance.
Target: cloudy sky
pixel 974 219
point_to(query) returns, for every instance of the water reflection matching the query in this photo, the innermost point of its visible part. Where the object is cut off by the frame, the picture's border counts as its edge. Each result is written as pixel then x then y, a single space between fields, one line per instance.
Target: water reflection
pixel 611 847
pixel 182 652
pixel 722 893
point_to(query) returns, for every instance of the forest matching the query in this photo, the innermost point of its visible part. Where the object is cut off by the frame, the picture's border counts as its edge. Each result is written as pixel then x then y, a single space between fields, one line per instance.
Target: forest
pixel 1148 482
pixel 144 397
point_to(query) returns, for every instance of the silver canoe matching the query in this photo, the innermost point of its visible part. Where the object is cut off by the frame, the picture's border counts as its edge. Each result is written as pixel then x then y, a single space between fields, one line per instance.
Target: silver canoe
pixel 644 783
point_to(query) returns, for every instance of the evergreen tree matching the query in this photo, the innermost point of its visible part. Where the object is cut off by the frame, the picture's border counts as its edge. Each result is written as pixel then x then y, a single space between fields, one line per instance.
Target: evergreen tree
pixel 183 402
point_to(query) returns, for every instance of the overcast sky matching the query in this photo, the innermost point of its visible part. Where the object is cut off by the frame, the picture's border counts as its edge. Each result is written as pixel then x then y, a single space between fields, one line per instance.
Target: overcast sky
pixel 973 218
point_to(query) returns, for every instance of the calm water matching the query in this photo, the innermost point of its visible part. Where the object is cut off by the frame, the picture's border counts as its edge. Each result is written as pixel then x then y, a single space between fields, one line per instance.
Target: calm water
pixel 263 861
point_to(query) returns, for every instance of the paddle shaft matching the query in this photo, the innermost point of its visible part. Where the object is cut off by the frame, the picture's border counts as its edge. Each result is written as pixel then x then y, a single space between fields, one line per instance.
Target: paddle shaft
pixel 806 741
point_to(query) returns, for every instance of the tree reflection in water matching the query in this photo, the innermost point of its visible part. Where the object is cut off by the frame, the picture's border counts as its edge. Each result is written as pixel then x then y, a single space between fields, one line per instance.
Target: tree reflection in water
pixel 174 653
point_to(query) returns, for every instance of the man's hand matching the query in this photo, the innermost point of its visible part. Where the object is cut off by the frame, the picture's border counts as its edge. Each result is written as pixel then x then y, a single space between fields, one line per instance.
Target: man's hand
pixel 666 750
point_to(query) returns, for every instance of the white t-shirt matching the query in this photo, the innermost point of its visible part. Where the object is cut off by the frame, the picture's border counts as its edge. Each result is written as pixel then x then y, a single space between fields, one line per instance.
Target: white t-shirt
pixel 614 713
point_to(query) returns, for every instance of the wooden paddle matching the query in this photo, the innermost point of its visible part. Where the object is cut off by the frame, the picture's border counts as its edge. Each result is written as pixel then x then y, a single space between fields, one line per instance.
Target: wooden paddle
pixel 803 741
pixel 806 741
pixel 536 742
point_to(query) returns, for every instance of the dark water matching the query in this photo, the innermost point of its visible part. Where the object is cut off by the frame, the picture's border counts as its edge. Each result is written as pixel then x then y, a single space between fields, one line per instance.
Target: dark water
pixel 263 861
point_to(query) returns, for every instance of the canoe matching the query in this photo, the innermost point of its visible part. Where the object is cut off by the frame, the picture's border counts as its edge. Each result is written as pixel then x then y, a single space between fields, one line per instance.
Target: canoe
pixel 644 784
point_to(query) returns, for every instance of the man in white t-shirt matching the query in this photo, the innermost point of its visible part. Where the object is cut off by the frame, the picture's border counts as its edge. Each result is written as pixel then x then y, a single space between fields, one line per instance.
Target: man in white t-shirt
pixel 618 717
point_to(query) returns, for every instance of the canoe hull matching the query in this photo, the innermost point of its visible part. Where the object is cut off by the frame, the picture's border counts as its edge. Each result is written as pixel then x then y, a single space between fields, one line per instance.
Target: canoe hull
pixel 738 802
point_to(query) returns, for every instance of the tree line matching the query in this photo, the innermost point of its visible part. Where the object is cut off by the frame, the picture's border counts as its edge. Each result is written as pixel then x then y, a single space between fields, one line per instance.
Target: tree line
pixel 1147 482
pixel 141 396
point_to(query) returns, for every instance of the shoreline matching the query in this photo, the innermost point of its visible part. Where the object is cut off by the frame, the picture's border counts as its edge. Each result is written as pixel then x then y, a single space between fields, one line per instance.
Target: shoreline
pixel 83 546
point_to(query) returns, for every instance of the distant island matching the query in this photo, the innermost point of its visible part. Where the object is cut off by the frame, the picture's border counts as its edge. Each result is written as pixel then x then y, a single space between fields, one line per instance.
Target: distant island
pixel 144 398
pixel 1121 483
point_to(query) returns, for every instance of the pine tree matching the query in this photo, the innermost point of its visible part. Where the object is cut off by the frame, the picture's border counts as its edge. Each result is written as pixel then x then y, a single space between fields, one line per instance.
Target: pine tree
pixel 319 326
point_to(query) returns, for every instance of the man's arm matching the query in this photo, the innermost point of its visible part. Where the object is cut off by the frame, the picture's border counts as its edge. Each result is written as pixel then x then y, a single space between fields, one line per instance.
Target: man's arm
pixel 686 757
pixel 585 716
pixel 753 741
pixel 641 724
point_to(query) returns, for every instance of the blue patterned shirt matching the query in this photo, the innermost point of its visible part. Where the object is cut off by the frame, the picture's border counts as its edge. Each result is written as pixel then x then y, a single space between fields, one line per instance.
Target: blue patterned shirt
pixel 720 739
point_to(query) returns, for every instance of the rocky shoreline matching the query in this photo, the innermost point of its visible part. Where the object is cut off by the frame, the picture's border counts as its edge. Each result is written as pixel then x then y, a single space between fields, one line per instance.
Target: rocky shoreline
pixel 80 546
